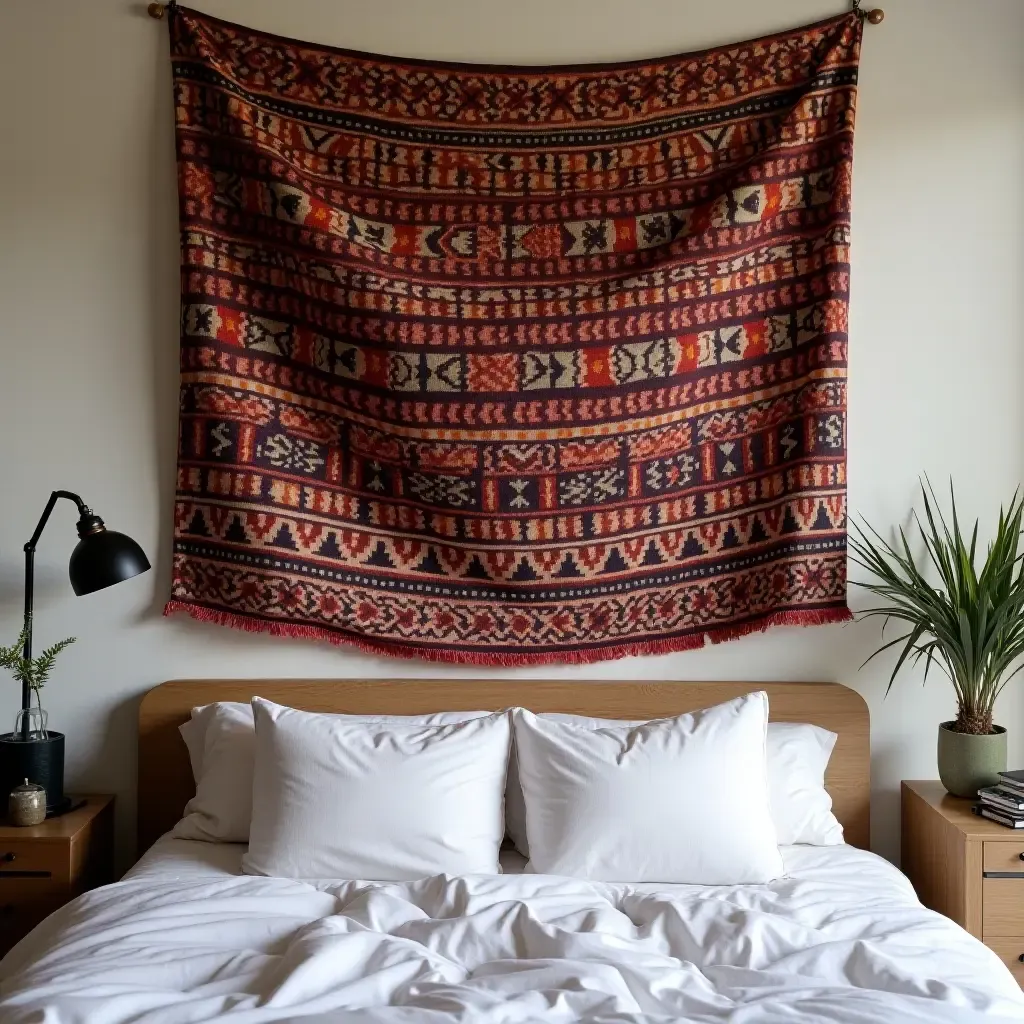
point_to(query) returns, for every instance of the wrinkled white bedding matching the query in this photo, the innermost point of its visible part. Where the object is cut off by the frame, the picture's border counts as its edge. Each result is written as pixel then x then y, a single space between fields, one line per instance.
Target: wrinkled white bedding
pixel 185 938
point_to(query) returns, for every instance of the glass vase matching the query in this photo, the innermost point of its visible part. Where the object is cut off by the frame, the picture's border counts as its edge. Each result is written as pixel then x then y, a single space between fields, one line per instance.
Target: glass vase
pixel 30 725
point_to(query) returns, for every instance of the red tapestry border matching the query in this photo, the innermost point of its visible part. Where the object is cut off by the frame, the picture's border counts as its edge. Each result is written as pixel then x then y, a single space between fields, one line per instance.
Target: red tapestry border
pixel 507 659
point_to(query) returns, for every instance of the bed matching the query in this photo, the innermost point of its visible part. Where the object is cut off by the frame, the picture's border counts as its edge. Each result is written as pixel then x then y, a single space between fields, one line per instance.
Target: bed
pixel 187 937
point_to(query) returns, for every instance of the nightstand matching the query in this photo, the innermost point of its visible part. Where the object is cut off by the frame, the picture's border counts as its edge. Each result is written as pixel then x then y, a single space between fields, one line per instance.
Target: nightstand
pixel 44 866
pixel 966 867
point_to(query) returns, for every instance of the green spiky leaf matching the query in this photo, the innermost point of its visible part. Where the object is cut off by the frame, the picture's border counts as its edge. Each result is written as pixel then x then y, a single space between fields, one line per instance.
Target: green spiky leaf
pixel 972 623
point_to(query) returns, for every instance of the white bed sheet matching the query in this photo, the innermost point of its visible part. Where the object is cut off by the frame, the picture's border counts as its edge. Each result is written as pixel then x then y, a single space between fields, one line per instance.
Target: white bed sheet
pixel 184 937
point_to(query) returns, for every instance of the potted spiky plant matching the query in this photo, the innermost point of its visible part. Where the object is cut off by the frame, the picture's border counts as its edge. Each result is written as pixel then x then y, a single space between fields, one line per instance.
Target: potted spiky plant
pixel 32 751
pixel 970 623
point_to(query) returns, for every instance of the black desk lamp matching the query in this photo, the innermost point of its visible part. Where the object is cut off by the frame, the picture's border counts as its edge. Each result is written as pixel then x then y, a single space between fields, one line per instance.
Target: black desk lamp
pixel 100 559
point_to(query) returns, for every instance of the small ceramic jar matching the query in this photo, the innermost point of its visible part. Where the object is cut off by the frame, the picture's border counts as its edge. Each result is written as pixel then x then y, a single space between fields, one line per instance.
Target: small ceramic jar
pixel 27 804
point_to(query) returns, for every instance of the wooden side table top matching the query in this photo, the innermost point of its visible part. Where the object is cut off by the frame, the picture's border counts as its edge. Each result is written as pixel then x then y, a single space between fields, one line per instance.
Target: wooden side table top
pixel 958 812
pixel 64 827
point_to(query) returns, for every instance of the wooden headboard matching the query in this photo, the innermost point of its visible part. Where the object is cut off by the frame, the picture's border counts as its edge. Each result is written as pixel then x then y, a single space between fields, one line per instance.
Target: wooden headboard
pixel 165 775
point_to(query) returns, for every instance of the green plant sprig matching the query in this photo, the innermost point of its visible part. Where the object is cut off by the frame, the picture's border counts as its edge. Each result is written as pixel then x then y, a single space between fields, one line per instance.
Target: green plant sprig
pixel 972 626
pixel 33 671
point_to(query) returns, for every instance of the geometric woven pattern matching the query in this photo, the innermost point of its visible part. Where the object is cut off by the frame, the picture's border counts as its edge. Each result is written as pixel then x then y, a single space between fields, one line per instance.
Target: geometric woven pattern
pixel 511 365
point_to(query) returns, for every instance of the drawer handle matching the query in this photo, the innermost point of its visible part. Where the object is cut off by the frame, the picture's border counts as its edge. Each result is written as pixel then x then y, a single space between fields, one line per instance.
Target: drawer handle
pixel 8 858
pixel 1021 958
pixel 1020 856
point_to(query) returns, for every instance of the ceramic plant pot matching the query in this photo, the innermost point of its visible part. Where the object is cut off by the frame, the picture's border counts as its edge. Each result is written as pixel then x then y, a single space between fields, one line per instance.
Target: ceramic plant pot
pixel 39 761
pixel 967 762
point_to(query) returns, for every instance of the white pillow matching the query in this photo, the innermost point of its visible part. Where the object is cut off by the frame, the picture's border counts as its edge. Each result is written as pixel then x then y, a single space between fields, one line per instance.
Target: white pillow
pixel 339 797
pixel 798 756
pixel 220 739
pixel 673 800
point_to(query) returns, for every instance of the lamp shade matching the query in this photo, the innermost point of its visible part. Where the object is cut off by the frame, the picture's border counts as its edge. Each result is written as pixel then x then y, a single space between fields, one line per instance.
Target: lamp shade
pixel 103 558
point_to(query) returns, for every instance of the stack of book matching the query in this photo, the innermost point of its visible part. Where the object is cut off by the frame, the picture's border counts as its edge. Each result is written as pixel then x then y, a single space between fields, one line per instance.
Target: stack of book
pixel 1005 802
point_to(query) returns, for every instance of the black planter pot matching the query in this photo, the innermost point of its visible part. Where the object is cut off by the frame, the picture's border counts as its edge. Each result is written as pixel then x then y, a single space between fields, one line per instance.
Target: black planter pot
pixel 39 761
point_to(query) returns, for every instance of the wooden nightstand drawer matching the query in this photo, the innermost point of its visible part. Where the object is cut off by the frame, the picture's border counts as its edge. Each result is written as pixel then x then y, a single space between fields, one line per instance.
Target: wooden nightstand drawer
pixel 24 902
pixel 1010 950
pixel 1002 908
pixel 20 857
pixel 30 894
pixel 17 921
pixel 1004 858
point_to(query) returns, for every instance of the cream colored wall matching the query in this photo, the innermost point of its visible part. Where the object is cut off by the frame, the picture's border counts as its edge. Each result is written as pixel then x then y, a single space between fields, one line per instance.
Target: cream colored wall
pixel 88 317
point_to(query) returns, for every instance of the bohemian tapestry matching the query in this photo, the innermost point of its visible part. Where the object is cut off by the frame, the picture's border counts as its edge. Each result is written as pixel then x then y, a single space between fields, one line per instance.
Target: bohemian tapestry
pixel 509 365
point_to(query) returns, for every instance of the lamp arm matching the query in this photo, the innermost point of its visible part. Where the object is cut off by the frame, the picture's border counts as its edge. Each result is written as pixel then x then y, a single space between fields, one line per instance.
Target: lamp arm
pixel 71 496
pixel 30 553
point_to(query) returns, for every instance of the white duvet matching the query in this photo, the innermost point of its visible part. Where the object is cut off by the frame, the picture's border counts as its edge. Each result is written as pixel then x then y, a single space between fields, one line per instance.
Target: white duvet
pixel 186 938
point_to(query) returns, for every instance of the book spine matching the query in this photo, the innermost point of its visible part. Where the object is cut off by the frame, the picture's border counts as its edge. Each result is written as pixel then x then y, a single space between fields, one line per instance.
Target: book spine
pixel 999 819
pixel 1006 792
pixel 1014 806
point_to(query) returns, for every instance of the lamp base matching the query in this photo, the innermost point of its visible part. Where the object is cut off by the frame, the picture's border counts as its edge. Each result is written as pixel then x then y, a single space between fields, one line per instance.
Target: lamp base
pixel 39 761
pixel 68 804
